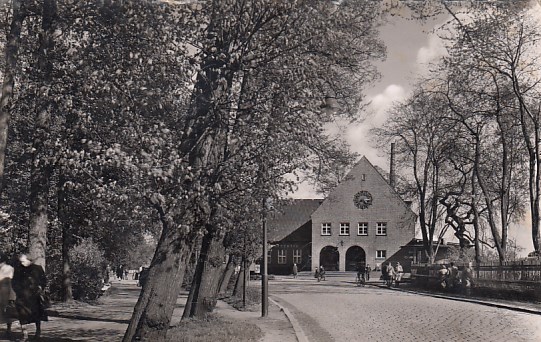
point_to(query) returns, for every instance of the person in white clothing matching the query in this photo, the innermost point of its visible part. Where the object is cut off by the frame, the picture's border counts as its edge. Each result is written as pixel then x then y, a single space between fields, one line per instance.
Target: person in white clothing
pixel 7 296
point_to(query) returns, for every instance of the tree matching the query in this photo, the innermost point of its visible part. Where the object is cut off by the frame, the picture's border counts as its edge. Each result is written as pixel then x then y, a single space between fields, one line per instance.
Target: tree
pixel 488 92
pixel 424 142
pixel 277 48
pixel 19 13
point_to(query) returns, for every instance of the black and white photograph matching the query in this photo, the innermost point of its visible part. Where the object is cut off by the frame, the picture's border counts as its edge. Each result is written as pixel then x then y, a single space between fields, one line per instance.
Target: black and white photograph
pixel 270 170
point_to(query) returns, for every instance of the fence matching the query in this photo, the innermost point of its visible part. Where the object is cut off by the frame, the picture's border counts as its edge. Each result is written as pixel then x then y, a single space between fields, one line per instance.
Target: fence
pixel 514 279
pixel 523 270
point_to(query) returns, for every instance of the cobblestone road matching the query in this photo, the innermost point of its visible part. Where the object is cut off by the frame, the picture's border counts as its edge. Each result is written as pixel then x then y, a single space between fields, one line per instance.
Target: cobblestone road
pixel 330 311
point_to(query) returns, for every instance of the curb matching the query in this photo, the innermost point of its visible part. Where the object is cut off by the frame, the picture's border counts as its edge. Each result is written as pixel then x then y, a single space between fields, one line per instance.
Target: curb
pixel 299 333
pixel 468 300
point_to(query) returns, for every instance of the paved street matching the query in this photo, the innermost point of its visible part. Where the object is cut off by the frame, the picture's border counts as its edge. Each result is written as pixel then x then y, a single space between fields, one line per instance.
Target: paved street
pixel 340 311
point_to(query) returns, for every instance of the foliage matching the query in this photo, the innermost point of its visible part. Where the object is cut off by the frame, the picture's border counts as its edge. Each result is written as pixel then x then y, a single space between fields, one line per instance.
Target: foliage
pixel 87 264
pixel 465 151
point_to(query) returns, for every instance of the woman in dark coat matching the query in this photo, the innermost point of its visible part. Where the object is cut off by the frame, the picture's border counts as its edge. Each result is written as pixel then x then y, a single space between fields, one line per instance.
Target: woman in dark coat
pixel 29 282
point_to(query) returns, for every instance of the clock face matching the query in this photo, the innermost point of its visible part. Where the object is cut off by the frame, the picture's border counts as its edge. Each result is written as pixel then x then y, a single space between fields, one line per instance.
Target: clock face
pixel 362 199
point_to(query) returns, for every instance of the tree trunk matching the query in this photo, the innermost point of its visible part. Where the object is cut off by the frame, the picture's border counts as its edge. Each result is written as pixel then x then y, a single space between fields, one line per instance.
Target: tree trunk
pixel 11 52
pixel 67 293
pixel 207 275
pixel 239 283
pixel 41 166
pixel 152 313
pixel 226 276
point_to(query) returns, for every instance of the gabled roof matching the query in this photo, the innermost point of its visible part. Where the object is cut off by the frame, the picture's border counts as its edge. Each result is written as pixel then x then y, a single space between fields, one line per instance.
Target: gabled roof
pixel 288 217
pixel 354 177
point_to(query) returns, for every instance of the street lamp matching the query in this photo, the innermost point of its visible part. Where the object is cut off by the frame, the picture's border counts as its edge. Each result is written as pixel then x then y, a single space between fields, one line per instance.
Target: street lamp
pixel 267 205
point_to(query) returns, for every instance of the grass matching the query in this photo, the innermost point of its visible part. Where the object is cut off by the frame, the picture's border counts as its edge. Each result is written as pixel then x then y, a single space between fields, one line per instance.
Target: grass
pixel 213 328
pixel 253 299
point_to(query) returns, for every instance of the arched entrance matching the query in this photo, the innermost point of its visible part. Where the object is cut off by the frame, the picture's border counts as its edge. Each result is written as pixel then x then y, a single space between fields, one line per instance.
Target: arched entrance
pixel 355 256
pixel 329 258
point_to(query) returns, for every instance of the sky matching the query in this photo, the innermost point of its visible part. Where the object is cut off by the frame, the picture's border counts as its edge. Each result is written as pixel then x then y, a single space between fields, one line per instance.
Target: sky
pixel 410 45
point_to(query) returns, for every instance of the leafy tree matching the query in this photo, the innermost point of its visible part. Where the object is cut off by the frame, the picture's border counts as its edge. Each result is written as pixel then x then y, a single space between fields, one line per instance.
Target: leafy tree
pixel 269 51
pixel 508 56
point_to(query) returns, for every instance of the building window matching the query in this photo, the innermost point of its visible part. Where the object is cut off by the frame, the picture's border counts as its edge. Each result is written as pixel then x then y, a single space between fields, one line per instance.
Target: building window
pixel 381 254
pixel 281 256
pixel 362 228
pixel 297 256
pixel 381 228
pixel 325 229
pixel 344 228
pixel 269 255
pixel 363 177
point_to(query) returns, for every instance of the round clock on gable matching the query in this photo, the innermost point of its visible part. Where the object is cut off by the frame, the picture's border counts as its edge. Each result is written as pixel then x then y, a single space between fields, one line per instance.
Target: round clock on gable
pixel 362 199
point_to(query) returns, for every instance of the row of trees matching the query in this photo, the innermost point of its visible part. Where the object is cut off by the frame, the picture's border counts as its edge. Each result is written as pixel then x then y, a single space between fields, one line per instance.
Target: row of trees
pixel 470 134
pixel 129 119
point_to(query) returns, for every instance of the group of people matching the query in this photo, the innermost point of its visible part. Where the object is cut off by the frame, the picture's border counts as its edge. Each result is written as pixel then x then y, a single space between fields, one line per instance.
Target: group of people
pixel 390 274
pixel 363 273
pixel 319 273
pixel 22 293
pixel 450 278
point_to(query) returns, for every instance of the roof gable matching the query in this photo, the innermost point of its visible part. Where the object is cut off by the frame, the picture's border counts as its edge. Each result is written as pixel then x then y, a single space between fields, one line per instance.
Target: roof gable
pixel 363 177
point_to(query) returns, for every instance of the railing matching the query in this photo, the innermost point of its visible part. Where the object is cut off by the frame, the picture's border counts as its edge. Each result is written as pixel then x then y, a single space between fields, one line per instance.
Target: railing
pixel 524 270
pixel 528 270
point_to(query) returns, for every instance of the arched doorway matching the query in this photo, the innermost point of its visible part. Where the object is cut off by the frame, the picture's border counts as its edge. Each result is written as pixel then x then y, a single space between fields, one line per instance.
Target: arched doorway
pixel 329 258
pixel 355 256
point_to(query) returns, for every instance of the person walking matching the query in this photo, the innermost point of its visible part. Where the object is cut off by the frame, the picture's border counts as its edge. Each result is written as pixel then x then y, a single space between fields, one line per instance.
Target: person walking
pixel 399 273
pixel 7 296
pixel 29 283
pixel 390 274
pixel 322 272
pixel 384 273
pixel 295 270
pixel 367 271
pixel 467 279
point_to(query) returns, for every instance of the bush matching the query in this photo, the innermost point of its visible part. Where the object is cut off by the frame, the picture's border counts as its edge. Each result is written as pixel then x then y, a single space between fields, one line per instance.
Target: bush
pixel 87 262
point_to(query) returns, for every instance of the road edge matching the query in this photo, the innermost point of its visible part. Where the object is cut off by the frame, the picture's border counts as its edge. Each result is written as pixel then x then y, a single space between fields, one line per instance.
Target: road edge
pixel 499 305
pixel 299 333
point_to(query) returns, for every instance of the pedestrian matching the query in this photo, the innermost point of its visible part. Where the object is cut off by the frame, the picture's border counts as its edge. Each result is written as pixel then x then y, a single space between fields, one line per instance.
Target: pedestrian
pixel 106 278
pixel 295 270
pixel 322 272
pixel 399 273
pixel 7 296
pixel 384 273
pixel 361 278
pixel 367 271
pixel 390 274
pixel 143 277
pixel 119 272
pixel 453 275
pixel 443 276
pixel 29 283
pixel 467 279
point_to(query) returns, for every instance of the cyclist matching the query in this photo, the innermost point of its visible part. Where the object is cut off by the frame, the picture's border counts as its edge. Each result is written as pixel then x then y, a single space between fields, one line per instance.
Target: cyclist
pixel 360 280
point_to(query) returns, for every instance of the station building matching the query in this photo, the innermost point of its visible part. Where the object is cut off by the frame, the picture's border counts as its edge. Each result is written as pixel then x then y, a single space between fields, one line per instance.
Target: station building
pixel 362 221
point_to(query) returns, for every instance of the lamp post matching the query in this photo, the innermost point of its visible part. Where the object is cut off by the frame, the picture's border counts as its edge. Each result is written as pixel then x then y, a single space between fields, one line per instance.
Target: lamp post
pixel 264 272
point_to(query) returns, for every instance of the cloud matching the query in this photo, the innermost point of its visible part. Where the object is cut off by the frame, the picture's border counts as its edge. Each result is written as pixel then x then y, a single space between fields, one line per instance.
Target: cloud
pixel 358 134
pixel 430 52
pixel 382 102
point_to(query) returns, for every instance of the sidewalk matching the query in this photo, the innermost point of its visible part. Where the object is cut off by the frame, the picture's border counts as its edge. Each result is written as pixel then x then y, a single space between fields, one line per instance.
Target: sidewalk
pixel 108 320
